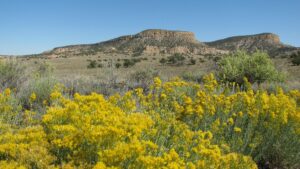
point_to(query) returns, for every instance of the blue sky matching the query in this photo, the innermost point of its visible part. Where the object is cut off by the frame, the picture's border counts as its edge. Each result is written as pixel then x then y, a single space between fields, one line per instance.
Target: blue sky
pixel 33 26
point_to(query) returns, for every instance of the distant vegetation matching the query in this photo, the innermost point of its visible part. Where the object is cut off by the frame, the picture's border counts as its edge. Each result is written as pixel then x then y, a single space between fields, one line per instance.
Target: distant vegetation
pixel 176 59
pixel 127 63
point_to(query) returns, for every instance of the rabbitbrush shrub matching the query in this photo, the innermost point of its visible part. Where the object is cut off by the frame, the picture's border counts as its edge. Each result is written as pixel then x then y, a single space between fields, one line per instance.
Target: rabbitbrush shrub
pixel 176 124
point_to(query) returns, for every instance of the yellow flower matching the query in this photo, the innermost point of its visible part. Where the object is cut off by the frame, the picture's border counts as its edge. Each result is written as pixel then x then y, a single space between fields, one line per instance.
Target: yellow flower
pixel 163 96
pixel 55 95
pixel 32 97
pixel 240 114
pixel 157 82
pixel 237 129
pixel 230 121
pixel 7 92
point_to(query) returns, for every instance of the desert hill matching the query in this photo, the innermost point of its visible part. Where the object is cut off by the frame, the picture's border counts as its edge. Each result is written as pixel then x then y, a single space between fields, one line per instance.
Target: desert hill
pixel 157 41
pixel 151 42
pixel 268 42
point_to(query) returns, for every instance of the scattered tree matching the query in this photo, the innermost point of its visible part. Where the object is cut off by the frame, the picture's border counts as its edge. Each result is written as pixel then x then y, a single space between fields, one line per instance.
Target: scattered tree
pixel 92 64
pixel 128 63
pixel 296 58
pixel 176 59
pixel 118 65
pixel 192 61
pixel 163 61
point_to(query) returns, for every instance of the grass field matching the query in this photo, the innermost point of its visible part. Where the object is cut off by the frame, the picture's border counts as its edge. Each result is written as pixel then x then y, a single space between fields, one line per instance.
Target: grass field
pixel 75 66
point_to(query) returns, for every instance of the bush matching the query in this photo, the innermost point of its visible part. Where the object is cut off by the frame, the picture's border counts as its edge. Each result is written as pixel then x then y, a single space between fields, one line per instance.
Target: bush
pixel 163 61
pixel 118 65
pixel 100 65
pixel 92 64
pixel 44 69
pixel 136 60
pixel 296 58
pixel 12 74
pixel 176 59
pixel 192 61
pixel 177 124
pixel 201 60
pixel 143 78
pixel 256 67
pixel 41 87
pixel 192 76
pixel 128 63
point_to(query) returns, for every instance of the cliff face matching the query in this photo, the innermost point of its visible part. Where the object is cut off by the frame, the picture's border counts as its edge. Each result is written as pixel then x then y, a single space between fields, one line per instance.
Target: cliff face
pixel 160 35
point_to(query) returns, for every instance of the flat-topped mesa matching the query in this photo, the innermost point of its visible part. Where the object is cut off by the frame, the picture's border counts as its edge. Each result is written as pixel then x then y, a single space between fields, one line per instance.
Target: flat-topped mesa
pixel 159 34
pixel 268 42
pixel 166 42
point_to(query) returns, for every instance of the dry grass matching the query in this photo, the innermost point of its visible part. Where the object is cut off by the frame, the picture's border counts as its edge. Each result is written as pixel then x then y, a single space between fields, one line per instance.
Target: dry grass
pixel 76 66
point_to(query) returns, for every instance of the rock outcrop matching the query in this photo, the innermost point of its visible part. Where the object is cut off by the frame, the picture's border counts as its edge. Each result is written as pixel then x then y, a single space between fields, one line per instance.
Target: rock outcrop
pixel 165 35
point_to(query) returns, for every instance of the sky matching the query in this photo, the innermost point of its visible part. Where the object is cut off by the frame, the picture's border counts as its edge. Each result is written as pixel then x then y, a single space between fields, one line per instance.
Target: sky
pixel 34 26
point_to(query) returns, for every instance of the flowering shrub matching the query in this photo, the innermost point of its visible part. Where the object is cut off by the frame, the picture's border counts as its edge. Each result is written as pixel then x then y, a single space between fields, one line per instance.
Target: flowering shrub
pixel 176 124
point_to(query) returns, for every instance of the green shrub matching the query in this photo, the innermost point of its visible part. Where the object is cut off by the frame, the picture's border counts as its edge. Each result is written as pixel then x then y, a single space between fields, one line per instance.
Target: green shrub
pixel 44 69
pixel 176 59
pixel 256 67
pixel 296 58
pixel 143 78
pixel 12 73
pixel 136 60
pixel 128 63
pixel 192 61
pixel 42 88
pixel 100 65
pixel 92 64
pixel 193 76
pixel 163 61
pixel 201 60
pixel 118 65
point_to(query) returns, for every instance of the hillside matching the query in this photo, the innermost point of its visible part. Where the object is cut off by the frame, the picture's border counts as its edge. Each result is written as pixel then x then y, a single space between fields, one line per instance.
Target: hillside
pixel 268 42
pixel 165 42
pixel 151 42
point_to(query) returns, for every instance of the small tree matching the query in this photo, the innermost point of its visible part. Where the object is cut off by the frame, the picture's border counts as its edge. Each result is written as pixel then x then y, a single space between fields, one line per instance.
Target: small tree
pixel 128 63
pixel 256 67
pixel 118 65
pixel 92 64
pixel 100 65
pixel 176 59
pixel 296 58
pixel 192 61
pixel 163 61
